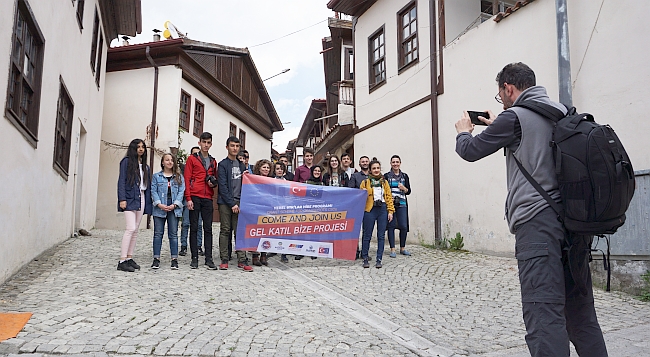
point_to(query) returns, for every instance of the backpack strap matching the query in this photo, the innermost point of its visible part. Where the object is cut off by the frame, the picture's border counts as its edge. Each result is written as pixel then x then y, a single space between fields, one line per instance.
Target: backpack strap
pixel 556 207
pixel 545 110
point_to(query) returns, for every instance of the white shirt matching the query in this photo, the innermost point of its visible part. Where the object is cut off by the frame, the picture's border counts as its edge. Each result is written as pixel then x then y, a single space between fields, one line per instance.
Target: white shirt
pixel 142 186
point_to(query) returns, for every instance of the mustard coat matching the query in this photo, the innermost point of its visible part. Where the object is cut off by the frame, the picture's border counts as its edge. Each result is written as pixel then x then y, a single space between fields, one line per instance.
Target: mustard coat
pixel 370 200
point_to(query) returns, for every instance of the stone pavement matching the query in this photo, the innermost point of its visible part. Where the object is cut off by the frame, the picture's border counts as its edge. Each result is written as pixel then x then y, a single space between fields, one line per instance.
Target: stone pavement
pixel 434 303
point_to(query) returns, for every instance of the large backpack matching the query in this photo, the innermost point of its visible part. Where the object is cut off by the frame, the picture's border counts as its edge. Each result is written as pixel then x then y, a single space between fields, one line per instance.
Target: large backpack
pixel 594 173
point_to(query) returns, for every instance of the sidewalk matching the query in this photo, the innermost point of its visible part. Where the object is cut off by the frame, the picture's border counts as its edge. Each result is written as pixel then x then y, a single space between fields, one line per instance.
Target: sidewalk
pixel 434 303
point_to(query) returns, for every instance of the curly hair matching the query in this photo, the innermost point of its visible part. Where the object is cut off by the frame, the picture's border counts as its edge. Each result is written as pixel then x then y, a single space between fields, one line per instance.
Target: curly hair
pixel 259 164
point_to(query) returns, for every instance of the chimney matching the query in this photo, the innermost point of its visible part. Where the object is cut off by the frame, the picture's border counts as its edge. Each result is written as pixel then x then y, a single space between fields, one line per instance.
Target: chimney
pixel 156 35
pixel 125 41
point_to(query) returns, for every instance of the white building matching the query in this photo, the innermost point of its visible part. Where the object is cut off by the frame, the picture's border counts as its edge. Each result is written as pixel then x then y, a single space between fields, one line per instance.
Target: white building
pixel 200 87
pixel 394 80
pixel 52 57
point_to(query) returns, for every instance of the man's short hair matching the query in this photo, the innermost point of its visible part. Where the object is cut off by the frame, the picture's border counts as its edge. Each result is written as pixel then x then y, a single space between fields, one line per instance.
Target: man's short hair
pixel 283 156
pixel 205 136
pixel 344 155
pixel 364 156
pixel 232 139
pixel 517 74
pixel 195 148
pixel 308 151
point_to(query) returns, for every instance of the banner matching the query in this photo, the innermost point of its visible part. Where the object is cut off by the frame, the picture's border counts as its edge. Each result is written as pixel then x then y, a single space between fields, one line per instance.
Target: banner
pixel 286 217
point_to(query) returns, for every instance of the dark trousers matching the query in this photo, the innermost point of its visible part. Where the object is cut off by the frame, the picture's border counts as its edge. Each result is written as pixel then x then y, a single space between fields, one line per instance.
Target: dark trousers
pixel 556 292
pixel 400 221
pixel 203 207
pixel 377 214
pixel 228 221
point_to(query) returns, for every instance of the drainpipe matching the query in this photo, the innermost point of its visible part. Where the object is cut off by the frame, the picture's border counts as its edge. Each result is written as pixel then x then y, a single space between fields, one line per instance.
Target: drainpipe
pixel 435 143
pixel 563 60
pixel 152 145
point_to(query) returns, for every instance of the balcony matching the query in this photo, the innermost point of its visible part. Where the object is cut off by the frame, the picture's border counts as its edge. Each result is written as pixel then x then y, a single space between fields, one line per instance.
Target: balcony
pixel 346 93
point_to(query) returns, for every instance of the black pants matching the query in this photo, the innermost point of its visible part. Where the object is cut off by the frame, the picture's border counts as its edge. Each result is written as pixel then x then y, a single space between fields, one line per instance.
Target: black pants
pixel 556 292
pixel 203 207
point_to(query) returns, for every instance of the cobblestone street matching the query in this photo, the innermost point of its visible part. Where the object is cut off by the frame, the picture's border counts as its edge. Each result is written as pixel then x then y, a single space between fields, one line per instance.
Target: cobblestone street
pixel 432 303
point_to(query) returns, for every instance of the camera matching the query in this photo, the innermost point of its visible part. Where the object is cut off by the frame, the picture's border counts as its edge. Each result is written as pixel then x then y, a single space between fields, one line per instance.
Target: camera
pixel 378 203
pixel 473 116
pixel 212 180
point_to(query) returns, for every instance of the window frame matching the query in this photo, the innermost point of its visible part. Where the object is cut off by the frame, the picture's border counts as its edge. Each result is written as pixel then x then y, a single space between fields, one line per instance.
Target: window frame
pixel 93 48
pixel 371 64
pixel 232 130
pixel 197 127
pixel 100 55
pixel 348 63
pixel 17 81
pixel 187 113
pixel 79 14
pixel 63 166
pixel 412 38
pixel 242 139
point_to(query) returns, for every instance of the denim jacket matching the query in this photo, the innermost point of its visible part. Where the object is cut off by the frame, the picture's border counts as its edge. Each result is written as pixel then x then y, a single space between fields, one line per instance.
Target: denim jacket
pixel 159 194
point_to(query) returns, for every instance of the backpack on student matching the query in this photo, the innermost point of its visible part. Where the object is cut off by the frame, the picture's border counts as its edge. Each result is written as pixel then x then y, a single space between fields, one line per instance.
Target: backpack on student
pixel 594 173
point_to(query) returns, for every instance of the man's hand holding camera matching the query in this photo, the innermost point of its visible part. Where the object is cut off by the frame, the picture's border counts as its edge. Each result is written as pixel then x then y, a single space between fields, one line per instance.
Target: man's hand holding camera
pixel 464 125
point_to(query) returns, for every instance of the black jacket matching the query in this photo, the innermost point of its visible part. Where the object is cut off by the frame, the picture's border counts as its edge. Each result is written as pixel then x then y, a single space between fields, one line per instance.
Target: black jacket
pixel 224 178
pixel 344 180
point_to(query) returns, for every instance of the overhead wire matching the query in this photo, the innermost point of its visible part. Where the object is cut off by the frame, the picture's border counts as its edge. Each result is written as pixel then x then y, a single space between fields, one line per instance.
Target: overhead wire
pixel 289 34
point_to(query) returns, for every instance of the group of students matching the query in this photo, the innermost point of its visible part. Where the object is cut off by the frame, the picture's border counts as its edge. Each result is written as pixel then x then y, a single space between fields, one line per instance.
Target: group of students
pixel 186 190
pixel 386 202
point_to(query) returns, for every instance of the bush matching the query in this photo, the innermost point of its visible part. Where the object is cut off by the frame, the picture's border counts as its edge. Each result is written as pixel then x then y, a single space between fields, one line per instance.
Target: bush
pixel 645 291
pixel 456 243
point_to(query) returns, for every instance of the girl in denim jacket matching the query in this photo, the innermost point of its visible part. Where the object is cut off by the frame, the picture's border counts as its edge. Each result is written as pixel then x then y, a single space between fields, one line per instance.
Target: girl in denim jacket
pixel 167 189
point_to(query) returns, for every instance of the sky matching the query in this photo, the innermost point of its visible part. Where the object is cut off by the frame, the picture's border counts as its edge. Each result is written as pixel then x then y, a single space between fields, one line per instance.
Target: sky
pixel 247 23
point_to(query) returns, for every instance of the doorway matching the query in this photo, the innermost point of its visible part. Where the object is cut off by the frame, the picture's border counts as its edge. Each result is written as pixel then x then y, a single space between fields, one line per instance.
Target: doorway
pixel 78 176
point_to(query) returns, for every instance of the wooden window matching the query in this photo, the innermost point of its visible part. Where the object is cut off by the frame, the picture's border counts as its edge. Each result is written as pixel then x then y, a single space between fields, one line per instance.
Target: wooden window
pixel 242 139
pixel 233 130
pixel 348 63
pixel 80 13
pixel 199 109
pixel 93 48
pixel 408 35
pixel 100 51
pixel 63 131
pixel 184 112
pixel 377 58
pixel 25 71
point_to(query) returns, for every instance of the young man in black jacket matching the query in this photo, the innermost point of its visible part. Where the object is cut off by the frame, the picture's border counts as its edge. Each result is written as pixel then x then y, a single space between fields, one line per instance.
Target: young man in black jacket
pixel 230 172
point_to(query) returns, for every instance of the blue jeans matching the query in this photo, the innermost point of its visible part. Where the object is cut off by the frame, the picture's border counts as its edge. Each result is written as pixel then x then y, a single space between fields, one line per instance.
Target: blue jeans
pixel 378 214
pixel 400 221
pixel 185 228
pixel 172 234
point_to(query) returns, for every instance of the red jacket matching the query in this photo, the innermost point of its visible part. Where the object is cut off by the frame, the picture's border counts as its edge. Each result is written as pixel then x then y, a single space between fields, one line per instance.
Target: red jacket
pixel 195 175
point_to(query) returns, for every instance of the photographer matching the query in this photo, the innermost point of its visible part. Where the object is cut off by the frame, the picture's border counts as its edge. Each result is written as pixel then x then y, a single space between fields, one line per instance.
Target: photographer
pixel 556 291
pixel 200 180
